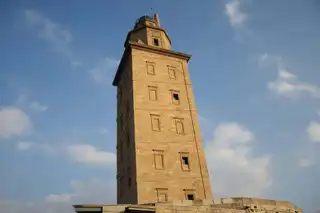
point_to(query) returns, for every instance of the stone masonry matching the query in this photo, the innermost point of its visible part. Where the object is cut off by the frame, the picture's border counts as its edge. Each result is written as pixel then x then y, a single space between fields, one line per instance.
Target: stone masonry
pixel 159 147
pixel 161 167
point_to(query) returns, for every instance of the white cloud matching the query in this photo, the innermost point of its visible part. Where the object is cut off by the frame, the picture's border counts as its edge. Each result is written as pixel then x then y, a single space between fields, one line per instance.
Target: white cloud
pixel 288 85
pixel 236 17
pixel 85 153
pixel 95 190
pixel 234 169
pixel 48 29
pixel 313 131
pixel 24 145
pixel 52 32
pixel 23 101
pixel 81 153
pixel 39 147
pixel 59 198
pixel 14 122
pixel 305 162
pixel 104 70
pixel 37 106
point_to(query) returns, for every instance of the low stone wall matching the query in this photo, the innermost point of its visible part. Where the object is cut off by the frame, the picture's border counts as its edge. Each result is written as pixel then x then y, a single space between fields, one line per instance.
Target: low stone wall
pixel 222 205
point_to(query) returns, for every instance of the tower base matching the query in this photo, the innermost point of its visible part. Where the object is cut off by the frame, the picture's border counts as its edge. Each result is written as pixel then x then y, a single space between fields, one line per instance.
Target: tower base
pixel 221 205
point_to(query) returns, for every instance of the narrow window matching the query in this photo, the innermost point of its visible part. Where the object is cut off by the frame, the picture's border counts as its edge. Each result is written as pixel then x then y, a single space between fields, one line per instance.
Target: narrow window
pixel 185 162
pixel 162 195
pixel 172 73
pixel 158 159
pixel 153 93
pixel 175 97
pixel 129 182
pixel 179 126
pixel 150 68
pixel 155 122
pixel 156 42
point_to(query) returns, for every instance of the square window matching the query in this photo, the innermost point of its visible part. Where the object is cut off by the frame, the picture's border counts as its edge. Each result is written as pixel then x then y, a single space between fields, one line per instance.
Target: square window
pixel 179 126
pixel 175 97
pixel 150 68
pixel 172 73
pixel 190 196
pixel 158 159
pixel 156 42
pixel 153 93
pixel 155 122
pixel 162 195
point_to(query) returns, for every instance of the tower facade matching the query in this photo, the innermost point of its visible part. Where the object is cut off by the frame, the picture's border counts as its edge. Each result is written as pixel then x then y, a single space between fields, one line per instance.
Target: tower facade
pixel 160 153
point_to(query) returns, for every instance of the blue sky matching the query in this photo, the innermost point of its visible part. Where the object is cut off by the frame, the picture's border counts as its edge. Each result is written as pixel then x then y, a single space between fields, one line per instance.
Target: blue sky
pixel 256 79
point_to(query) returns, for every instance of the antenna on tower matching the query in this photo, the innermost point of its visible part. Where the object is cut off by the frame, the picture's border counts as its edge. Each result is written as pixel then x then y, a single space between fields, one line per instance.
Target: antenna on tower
pixel 151 11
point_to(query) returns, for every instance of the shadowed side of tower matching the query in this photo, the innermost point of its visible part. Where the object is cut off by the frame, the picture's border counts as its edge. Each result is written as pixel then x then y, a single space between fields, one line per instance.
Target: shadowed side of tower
pixel 160 153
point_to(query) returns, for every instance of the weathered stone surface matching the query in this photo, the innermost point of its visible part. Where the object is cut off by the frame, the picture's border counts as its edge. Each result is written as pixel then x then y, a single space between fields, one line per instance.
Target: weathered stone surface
pixel 223 205
pixel 147 78
pixel 150 155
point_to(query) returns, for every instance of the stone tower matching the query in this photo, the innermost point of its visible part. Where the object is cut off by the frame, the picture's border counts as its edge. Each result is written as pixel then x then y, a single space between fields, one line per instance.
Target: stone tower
pixel 160 154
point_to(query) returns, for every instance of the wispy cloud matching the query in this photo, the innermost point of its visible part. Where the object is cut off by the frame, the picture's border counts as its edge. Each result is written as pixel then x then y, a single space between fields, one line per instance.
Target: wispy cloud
pixel 288 85
pixel 93 190
pixel 85 153
pixel 80 153
pixel 58 37
pixel 235 15
pixel 37 106
pixel 59 198
pixel 102 130
pixel 38 147
pixel 305 162
pixel 76 63
pixel 266 60
pixel 104 70
pixel 23 101
pixel 24 145
pixel 313 131
pixel 14 122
